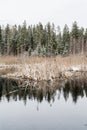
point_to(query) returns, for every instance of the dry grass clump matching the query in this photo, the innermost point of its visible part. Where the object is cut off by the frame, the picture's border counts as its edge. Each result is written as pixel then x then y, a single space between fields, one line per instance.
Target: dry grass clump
pixel 7 71
pixel 49 68
pixel 8 60
pixel 70 60
pixel 21 60
pixel 40 68
pixel 44 70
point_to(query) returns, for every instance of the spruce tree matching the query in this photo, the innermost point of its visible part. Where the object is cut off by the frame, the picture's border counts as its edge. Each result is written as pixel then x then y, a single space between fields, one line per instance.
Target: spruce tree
pixel 66 40
pixel 7 39
pixel 0 40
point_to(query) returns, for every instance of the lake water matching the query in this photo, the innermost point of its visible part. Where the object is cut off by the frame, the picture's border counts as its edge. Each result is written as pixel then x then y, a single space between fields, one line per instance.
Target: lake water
pixel 65 108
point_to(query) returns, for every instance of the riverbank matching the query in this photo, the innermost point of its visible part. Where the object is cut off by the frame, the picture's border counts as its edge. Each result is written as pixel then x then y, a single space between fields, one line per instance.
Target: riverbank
pixel 39 68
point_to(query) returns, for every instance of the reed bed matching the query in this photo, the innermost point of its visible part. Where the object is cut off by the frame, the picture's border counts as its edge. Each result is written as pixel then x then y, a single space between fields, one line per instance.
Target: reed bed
pixel 40 68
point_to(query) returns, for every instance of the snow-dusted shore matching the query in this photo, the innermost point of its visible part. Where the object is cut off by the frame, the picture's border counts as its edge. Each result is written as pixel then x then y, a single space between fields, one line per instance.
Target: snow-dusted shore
pixel 36 71
pixel 40 71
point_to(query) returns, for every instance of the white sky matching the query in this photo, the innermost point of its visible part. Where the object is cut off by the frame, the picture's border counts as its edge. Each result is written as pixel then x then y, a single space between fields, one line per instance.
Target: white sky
pixel 60 12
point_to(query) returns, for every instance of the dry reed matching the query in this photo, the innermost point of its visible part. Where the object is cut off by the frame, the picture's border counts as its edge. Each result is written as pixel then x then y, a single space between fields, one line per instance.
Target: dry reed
pixel 40 68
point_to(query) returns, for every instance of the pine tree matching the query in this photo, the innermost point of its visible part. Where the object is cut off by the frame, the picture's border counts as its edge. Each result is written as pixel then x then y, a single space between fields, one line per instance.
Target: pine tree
pixel 14 40
pixel 75 36
pixel 66 40
pixel 7 39
pixel 81 41
pixel 85 41
pixel 0 40
pixel 59 49
pixel 23 37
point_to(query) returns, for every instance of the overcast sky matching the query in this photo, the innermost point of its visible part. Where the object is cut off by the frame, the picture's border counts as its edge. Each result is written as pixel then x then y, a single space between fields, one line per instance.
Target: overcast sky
pixel 33 11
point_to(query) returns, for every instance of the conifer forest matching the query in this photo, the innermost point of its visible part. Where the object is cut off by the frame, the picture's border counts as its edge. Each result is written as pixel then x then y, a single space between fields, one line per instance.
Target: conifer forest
pixel 42 40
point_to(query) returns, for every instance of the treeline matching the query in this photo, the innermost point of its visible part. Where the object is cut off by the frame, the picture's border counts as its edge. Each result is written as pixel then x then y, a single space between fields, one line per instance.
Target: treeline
pixel 42 40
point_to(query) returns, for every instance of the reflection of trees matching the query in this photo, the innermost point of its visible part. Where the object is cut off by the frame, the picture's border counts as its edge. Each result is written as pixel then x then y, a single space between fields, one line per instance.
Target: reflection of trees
pixel 76 88
pixel 10 90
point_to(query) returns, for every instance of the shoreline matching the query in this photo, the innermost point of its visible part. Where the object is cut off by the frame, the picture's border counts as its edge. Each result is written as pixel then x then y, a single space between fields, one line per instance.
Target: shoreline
pixel 43 69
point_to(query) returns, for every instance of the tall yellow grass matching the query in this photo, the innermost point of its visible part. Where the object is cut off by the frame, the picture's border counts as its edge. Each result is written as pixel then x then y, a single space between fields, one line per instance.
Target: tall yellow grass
pixel 77 59
pixel 40 67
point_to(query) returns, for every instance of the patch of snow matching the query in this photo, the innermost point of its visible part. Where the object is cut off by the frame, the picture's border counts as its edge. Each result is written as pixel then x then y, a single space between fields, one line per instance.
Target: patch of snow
pixel 68 74
pixel 75 68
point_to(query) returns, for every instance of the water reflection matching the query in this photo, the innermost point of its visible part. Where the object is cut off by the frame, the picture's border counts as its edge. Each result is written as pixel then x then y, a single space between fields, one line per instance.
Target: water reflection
pixel 10 90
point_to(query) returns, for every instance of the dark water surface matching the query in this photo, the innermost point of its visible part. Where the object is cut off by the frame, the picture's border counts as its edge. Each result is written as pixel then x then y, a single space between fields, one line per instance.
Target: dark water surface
pixel 61 108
